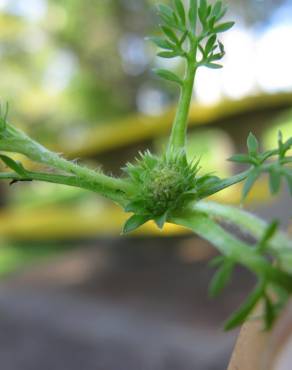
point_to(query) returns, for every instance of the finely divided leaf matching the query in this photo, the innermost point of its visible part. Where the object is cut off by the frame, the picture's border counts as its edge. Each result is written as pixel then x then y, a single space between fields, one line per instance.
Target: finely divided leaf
pixel 170 34
pixel 211 22
pixel 203 8
pixel 223 27
pixel 167 54
pixel 181 11
pixel 167 75
pixel 210 43
pixel 167 15
pixel 216 9
pixel 162 43
pixel 165 10
pixel 193 13
pixel 221 48
pixel 215 57
pixel 183 38
pixel 222 13
pixel 213 65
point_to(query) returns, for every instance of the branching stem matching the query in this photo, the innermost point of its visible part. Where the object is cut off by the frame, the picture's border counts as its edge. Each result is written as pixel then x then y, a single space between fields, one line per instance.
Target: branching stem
pixel 249 223
pixel 16 141
pixel 231 247
pixel 243 219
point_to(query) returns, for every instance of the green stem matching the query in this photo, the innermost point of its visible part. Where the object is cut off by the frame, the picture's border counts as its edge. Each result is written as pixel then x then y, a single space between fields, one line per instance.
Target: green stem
pixel 64 180
pixel 13 140
pixel 231 247
pixel 250 223
pixel 243 219
pixel 178 134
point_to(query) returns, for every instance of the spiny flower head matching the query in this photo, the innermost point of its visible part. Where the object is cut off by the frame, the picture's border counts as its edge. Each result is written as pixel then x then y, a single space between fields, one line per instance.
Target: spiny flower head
pixel 162 185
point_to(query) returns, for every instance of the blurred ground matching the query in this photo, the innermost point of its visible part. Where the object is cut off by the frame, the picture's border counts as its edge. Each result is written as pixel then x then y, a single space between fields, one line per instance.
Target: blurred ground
pixel 115 307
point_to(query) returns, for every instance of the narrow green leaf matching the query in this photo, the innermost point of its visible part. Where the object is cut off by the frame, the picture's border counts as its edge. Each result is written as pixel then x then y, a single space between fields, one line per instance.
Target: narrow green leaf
pixel 252 144
pixel 213 65
pixel 160 221
pixel 183 38
pixel 203 8
pixel 162 43
pixel 283 147
pixel 270 314
pixel 181 11
pixel 268 234
pixel 221 278
pixel 202 50
pixel 202 18
pixel 170 34
pixel 217 9
pixel 243 312
pixel 14 165
pixel 211 22
pixel 210 43
pixel 223 27
pixel 167 15
pixel 203 12
pixel 193 13
pixel 134 222
pixel 222 13
pixel 165 10
pixel 251 179
pixel 221 48
pixel 216 57
pixel 170 22
pixel 274 181
pixel 209 9
pixel 167 54
pixel 167 75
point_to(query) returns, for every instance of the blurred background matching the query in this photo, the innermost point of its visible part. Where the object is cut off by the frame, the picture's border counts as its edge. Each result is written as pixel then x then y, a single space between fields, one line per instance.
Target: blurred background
pixel 77 76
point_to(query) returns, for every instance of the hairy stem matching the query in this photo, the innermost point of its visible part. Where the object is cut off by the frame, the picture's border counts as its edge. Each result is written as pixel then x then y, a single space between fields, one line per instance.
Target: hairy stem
pixel 243 219
pixel 178 134
pixel 63 180
pixel 13 140
pixel 231 247
pixel 250 223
